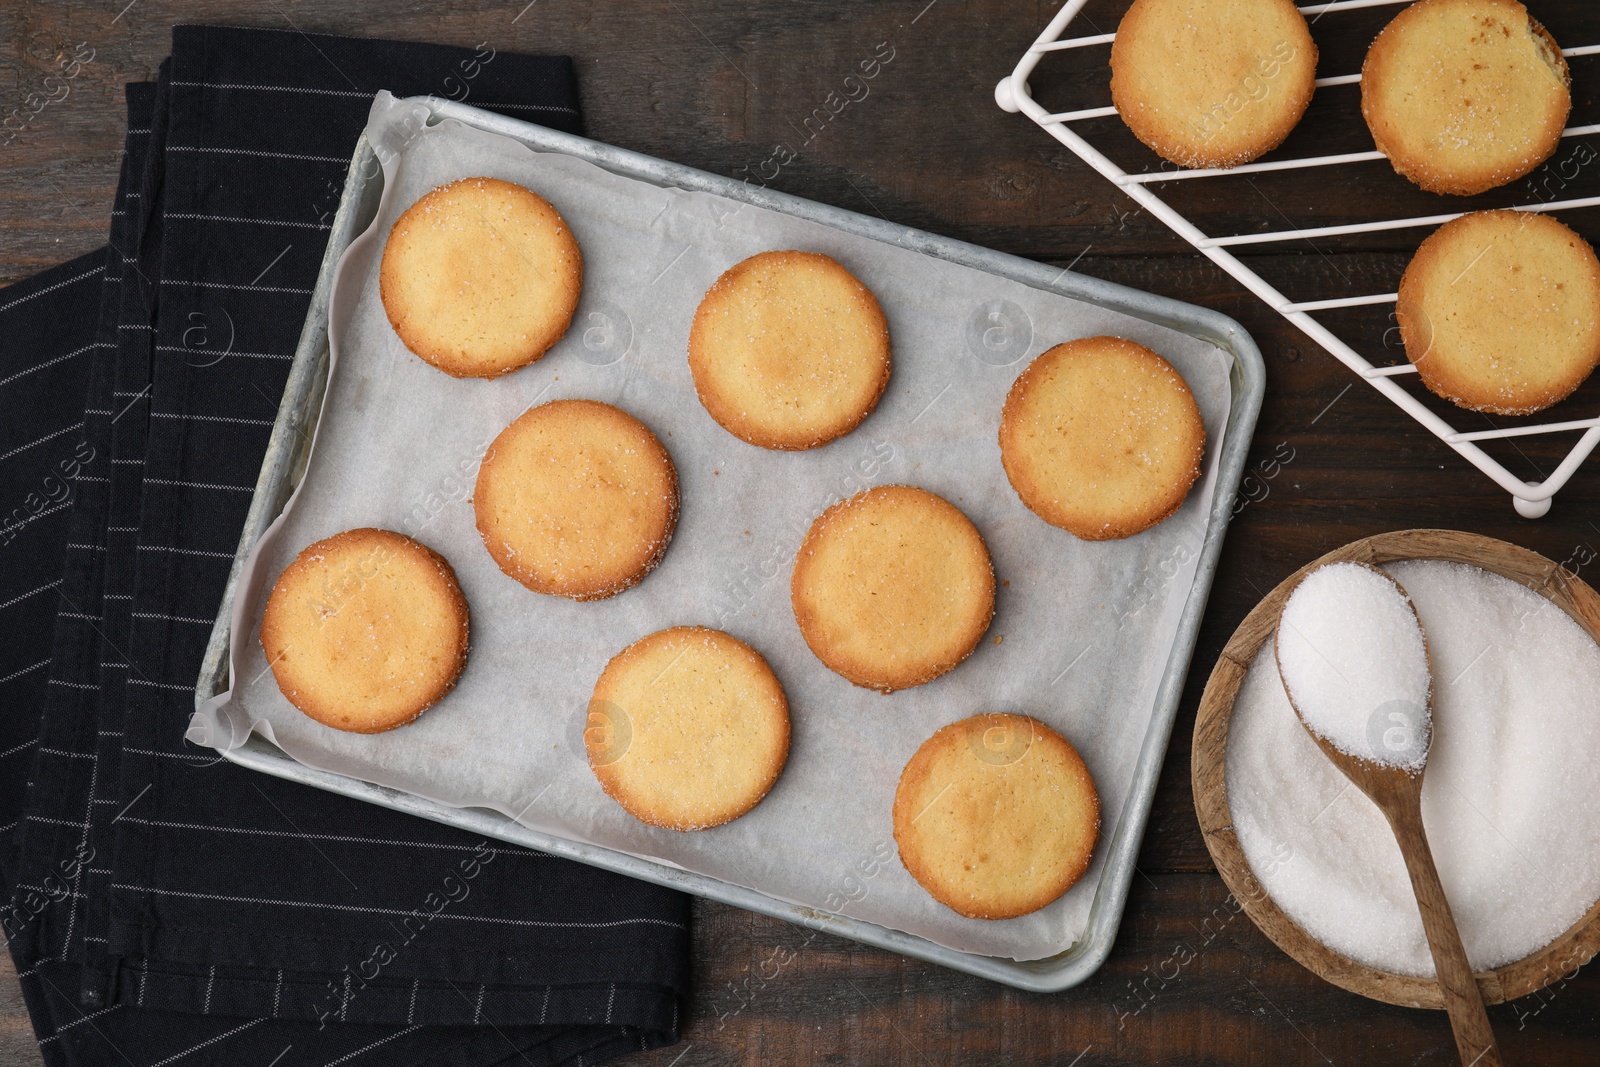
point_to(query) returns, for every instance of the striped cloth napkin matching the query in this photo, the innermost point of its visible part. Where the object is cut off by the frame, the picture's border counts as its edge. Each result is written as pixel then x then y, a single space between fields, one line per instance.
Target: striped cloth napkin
pixel 164 906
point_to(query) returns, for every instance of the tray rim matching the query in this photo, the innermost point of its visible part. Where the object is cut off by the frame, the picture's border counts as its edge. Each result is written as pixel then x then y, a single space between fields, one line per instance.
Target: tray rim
pixel 1574 947
pixel 289 445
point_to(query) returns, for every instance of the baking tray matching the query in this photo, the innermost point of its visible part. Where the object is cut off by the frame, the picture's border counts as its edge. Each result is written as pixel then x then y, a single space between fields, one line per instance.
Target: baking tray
pixel 289 447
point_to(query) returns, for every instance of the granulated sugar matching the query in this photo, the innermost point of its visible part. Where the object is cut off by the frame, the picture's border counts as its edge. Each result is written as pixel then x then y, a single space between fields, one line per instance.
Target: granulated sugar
pixel 1507 798
pixel 1352 658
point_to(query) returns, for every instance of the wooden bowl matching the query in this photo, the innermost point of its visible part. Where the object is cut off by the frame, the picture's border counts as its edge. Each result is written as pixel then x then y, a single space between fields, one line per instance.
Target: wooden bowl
pixel 1209 770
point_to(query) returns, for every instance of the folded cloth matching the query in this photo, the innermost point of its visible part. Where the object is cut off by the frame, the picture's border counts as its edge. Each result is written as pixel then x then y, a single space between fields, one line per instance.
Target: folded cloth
pixel 48 336
pixel 156 886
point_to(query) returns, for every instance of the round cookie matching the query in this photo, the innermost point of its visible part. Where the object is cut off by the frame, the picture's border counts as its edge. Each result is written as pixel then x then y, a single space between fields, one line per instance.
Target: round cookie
pixel 1101 437
pixel 480 277
pixel 1500 311
pixel 1212 83
pixel 789 350
pixel 577 499
pixel 366 630
pixel 996 816
pixel 1465 95
pixel 892 587
pixel 688 728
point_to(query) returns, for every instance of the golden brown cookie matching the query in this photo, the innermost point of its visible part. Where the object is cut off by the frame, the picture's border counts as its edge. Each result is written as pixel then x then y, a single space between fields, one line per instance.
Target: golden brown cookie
pixel 688 728
pixel 996 816
pixel 1500 311
pixel 1101 437
pixel 480 277
pixel 893 587
pixel 366 630
pixel 789 350
pixel 576 498
pixel 1465 95
pixel 1212 83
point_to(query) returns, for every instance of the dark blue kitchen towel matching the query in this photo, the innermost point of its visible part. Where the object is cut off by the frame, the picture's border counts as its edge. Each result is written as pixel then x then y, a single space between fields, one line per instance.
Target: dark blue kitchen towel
pixel 166 905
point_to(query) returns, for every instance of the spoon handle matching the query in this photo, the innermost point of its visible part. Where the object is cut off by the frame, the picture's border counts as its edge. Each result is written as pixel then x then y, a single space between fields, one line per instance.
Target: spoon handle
pixel 1462 1000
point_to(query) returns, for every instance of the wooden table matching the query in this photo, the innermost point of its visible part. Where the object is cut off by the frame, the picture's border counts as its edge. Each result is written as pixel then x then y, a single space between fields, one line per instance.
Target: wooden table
pixel 717 84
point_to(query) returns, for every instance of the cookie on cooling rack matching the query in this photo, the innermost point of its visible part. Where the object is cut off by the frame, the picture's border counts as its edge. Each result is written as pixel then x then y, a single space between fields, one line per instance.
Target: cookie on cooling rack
pixel 789 350
pixel 480 277
pixel 576 499
pixel 1465 95
pixel 688 728
pixel 366 630
pixel 1212 83
pixel 893 587
pixel 1101 437
pixel 996 816
pixel 1500 311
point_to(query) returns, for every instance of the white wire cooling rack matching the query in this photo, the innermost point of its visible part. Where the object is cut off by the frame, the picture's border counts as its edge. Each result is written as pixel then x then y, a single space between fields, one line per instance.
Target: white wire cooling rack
pixel 1531 499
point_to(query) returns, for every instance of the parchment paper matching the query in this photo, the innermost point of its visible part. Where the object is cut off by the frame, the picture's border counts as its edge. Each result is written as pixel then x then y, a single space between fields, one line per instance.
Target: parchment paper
pixel 1082 631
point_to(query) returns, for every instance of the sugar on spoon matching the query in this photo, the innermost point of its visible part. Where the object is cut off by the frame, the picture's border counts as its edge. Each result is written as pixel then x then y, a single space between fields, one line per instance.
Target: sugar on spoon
pixel 1354 662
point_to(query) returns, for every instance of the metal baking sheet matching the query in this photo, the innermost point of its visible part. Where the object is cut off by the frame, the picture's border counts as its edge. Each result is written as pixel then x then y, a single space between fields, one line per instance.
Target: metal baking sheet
pixel 286 457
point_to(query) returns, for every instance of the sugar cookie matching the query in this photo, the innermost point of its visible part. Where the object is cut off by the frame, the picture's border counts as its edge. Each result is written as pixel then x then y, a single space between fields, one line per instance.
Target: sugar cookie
pixel 1465 95
pixel 688 728
pixel 1212 83
pixel 365 630
pixel 789 350
pixel 1101 437
pixel 893 587
pixel 1500 311
pixel 576 498
pixel 480 277
pixel 996 816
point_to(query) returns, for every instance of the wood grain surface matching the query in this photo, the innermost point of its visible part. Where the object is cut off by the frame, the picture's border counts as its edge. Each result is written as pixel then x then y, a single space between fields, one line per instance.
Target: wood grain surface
pixel 718 84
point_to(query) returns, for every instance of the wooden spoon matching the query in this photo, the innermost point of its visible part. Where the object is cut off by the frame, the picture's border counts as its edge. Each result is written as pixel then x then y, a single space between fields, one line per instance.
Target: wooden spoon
pixel 1398 794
